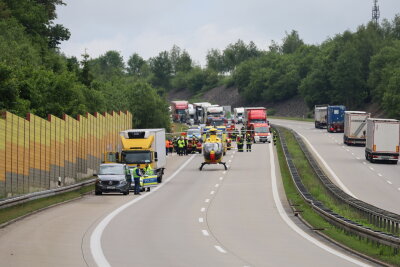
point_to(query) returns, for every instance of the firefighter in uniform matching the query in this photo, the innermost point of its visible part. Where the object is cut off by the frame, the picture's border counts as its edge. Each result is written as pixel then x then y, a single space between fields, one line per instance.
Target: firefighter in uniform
pixel 239 143
pixel 248 142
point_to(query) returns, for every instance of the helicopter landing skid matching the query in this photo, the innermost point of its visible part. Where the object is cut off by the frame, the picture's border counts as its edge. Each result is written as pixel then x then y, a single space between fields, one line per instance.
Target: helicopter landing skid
pixel 205 163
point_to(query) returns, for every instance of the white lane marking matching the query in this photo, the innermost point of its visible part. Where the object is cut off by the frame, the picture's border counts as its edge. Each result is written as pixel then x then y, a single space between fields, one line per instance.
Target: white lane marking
pixel 205 233
pixel 221 178
pixel 371 168
pixel 335 177
pixel 95 238
pixel 292 225
pixel 389 182
pixel 232 156
pixel 380 175
pixel 229 160
pixel 220 249
pixel 364 162
pixel 358 158
pixel 203 209
pixel 347 150
pixel 212 192
pixel 207 200
pixel 216 185
pixel 398 188
pixel 353 154
pixel 223 172
pixel 201 220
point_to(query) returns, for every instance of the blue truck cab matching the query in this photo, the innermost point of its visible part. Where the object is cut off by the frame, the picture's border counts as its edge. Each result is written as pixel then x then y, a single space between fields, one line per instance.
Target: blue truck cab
pixel 335 119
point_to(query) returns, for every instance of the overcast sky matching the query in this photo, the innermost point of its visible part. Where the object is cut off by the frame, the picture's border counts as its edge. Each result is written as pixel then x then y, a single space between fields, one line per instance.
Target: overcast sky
pixel 151 26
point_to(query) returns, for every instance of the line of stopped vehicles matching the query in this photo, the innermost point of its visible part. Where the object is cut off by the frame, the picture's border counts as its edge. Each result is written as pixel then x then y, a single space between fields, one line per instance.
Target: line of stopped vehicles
pixel 212 129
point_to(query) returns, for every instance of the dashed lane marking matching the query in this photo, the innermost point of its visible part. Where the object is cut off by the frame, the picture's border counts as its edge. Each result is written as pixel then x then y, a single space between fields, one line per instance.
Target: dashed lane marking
pixel 380 175
pixel 216 185
pixel 207 200
pixel 389 182
pixel 203 209
pixel 221 178
pixel 212 192
pixel 201 220
pixel 220 249
pixel 205 233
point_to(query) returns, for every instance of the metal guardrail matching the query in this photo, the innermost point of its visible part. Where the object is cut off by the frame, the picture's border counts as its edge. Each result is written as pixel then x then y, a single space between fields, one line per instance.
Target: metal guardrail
pixel 42 194
pixel 382 217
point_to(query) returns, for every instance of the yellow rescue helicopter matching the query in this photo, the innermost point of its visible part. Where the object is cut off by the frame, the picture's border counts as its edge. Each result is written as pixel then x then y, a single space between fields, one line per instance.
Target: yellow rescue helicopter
pixel 213 149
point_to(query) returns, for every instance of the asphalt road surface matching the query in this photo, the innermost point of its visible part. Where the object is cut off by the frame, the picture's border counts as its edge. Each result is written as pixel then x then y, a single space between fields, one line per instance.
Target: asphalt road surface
pixel 214 217
pixel 374 183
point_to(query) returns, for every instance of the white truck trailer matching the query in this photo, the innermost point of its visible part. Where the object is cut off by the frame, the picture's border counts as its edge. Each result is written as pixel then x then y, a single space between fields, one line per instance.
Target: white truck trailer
pixel 238 115
pixel 320 116
pixel 355 127
pixel 383 140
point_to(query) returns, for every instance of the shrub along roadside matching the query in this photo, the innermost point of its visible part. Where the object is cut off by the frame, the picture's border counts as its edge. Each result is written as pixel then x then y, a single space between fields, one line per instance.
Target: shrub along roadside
pixel 20 210
pixel 379 252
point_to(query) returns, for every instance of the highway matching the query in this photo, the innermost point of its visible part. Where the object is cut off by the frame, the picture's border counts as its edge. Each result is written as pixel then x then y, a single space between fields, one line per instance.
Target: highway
pixel 374 183
pixel 237 217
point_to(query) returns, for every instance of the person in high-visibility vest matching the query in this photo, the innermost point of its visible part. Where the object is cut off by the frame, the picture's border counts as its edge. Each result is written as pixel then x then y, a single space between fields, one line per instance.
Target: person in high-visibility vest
pixel 181 146
pixel 148 170
pixel 171 146
pixel 166 146
pixel 136 173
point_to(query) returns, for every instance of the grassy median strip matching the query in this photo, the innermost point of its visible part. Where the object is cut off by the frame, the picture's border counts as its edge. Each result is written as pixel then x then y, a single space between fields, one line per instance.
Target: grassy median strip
pixel 291 118
pixel 314 186
pixel 14 212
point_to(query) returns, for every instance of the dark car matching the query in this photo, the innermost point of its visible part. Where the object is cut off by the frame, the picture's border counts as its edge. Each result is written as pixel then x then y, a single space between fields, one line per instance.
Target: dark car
pixel 113 177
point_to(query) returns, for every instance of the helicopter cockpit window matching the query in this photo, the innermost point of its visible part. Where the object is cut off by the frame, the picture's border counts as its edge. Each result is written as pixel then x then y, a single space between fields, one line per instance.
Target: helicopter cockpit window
pixel 212 146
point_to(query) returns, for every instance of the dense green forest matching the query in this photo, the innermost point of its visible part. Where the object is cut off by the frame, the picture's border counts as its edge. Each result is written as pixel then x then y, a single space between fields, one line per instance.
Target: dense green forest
pixel 352 68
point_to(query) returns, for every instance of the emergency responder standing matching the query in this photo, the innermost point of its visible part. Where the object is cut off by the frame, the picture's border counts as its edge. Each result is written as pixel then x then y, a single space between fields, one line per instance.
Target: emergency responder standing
pixel 176 145
pixel 248 142
pixel 148 170
pixel 185 148
pixel 242 132
pixel 181 146
pixel 171 146
pixel 239 143
pixel 166 146
pixel 136 173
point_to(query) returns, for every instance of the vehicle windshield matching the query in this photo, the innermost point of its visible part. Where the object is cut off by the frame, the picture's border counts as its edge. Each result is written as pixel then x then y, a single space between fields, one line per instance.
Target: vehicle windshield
pixel 112 169
pixel 239 114
pixel 208 147
pixel 193 132
pixel 217 123
pixel 131 157
pixel 257 121
pixel 215 114
pixel 261 130
pixel 180 111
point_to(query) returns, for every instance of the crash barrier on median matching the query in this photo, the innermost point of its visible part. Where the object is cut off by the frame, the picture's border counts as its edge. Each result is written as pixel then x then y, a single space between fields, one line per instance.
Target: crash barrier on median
pixel 12 201
pixel 38 154
pixel 378 217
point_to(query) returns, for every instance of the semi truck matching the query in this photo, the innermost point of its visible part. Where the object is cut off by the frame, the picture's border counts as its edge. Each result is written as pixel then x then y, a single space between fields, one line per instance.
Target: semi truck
pixel 355 127
pixel 254 115
pixel 335 119
pixel 190 114
pixel 144 146
pixel 238 115
pixel 320 114
pixel 179 110
pixel 213 112
pixel 199 112
pixel 383 140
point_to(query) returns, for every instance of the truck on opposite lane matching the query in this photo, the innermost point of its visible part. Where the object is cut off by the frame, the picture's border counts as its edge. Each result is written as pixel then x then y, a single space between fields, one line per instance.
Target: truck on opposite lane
pixel 355 127
pixel 335 119
pixel 320 112
pixel 383 140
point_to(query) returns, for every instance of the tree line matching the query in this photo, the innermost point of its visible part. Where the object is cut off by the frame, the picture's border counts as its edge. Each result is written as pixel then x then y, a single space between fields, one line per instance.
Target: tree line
pixel 352 68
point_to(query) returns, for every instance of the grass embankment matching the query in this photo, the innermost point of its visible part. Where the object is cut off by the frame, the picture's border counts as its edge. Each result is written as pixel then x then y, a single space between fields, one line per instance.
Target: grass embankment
pixel 178 128
pixel 14 212
pixel 314 186
pixel 291 118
